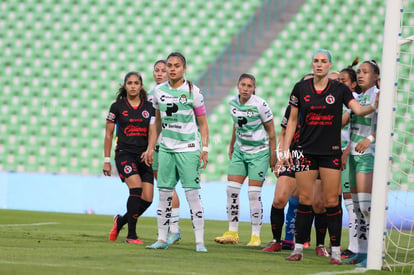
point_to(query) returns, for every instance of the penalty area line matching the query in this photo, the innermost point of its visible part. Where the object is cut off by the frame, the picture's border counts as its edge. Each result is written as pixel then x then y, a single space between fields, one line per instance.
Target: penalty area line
pixel 27 224
pixel 129 270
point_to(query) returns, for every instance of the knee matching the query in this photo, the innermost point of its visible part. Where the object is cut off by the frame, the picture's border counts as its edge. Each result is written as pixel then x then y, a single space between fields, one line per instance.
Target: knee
pixel 279 202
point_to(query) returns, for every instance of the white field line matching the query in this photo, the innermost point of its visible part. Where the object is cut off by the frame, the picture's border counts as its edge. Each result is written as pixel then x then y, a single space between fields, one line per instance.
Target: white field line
pixel 136 271
pixel 27 224
pixel 355 271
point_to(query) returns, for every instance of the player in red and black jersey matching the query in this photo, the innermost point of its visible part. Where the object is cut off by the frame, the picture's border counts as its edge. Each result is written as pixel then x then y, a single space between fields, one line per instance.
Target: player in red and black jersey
pixel 319 101
pixel 134 117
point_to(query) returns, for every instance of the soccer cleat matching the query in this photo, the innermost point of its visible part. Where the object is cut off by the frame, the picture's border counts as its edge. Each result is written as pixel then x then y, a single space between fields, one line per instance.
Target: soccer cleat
pixel 201 248
pixel 137 241
pixel 228 237
pixel 306 244
pixel 336 258
pixel 347 254
pixel 158 245
pixel 255 241
pixel 113 235
pixel 362 263
pixel 321 251
pixel 273 246
pixel 357 258
pixel 295 256
pixel 173 238
pixel 288 245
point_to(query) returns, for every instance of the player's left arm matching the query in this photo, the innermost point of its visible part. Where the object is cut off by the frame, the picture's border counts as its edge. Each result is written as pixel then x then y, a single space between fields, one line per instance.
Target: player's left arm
pixel 203 126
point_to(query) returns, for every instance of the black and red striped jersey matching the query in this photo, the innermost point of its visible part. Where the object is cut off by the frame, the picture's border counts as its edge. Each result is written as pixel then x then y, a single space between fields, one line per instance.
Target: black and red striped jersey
pixel 321 115
pixel 132 124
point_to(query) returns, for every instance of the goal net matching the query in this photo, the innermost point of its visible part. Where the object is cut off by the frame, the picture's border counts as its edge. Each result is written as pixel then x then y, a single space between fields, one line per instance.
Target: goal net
pixel 398 236
pixel 399 240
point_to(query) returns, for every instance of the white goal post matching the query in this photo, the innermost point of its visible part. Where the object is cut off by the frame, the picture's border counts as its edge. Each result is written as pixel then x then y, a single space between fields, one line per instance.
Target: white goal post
pixel 383 154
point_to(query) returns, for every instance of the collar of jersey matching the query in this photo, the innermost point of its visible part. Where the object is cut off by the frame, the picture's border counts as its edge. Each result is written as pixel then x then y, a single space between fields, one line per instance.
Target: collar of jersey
pixel 171 88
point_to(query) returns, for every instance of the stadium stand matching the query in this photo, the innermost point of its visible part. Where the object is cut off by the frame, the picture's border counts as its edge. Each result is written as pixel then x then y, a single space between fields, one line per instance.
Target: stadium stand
pixel 63 62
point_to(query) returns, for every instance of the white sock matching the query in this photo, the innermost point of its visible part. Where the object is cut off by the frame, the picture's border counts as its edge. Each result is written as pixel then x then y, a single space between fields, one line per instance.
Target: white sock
pixel 197 213
pixel 298 247
pixel 175 218
pixel 353 241
pixel 364 200
pixel 164 213
pixel 256 208
pixel 233 205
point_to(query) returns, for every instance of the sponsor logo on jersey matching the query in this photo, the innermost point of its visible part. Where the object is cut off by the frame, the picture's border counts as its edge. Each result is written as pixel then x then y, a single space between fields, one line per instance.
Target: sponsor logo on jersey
pixel 171 108
pixel 285 121
pixel 183 99
pixel 318 119
pixel 294 100
pixel 330 99
pixel 145 114
pixel 132 130
pixel 111 116
pixel 127 169
pixel 241 121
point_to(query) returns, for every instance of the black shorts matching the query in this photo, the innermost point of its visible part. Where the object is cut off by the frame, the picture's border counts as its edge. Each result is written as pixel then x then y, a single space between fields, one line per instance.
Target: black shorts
pixel 287 171
pixel 129 164
pixel 314 162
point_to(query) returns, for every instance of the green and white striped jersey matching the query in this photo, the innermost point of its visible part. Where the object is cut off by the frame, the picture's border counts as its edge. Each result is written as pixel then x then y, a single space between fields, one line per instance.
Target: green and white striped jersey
pixel 345 132
pixel 362 127
pixel 248 118
pixel 177 108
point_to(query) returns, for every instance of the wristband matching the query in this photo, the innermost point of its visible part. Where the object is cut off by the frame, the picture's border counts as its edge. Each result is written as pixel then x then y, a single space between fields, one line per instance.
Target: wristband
pixel 206 149
pixel 371 138
pixel 373 106
pixel 107 159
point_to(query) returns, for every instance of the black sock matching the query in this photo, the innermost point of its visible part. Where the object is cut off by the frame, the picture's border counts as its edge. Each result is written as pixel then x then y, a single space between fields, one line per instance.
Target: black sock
pixel 277 218
pixel 132 211
pixel 303 224
pixel 143 205
pixel 334 221
pixel 320 228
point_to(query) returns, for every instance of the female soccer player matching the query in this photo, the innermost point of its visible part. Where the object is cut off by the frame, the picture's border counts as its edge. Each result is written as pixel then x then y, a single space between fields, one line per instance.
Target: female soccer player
pixel 174 234
pixel 361 161
pixel 252 149
pixel 181 119
pixel 348 76
pixel 319 100
pixel 285 187
pixel 134 117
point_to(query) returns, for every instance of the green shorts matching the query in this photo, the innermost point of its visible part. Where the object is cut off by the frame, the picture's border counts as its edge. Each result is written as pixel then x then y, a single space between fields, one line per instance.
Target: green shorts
pixel 254 166
pixel 344 178
pixel 155 161
pixel 359 164
pixel 173 166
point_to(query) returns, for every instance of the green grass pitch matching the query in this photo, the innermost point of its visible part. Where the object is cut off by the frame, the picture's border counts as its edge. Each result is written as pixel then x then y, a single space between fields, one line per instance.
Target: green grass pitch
pixel 58 243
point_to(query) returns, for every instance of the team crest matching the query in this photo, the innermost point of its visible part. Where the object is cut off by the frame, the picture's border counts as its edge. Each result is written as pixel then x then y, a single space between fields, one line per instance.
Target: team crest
pixel 183 99
pixel 127 169
pixel 145 114
pixel 330 99
pixel 249 113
